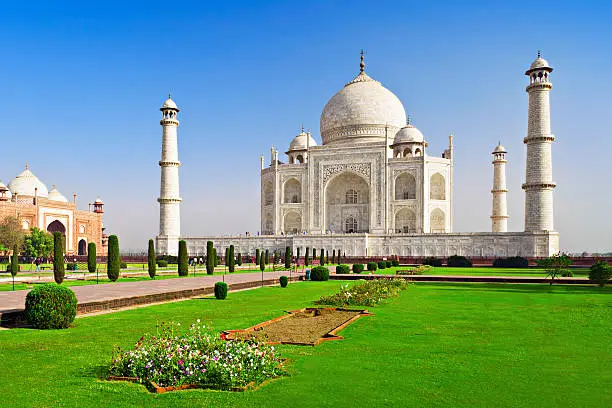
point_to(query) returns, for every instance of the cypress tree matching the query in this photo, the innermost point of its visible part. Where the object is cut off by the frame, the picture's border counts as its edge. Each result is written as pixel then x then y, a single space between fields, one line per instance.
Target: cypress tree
pixel 114 260
pixel 216 257
pixel 262 263
pixel 58 257
pixel 257 256
pixel 267 257
pixel 239 259
pixel 288 257
pixel 334 257
pixel 307 257
pixel 314 253
pixel 322 257
pixel 230 254
pixel 275 257
pixel 327 256
pixel 339 257
pixel 298 253
pixel 210 263
pixel 91 257
pixel 15 263
pixel 183 259
pixel 226 256
pixel 151 259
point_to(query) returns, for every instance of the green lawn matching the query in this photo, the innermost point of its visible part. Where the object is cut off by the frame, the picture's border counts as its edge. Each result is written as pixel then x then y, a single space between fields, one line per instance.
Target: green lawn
pixel 483 271
pixel 463 345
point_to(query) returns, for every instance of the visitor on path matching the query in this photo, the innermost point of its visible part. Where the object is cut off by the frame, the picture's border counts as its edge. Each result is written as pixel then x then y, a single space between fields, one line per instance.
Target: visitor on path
pixel 37 262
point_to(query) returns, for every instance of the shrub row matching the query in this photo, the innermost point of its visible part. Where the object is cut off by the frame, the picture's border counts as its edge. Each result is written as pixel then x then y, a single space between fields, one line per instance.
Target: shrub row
pixel 366 293
pixel 357 268
pixel 343 269
pixel 319 273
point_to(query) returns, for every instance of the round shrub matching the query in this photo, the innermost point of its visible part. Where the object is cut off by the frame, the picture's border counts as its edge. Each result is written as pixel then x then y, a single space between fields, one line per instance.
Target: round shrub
pixel 600 273
pixel 343 269
pixel 220 290
pixel 123 265
pixel 50 306
pixel 395 262
pixel 431 261
pixel 568 274
pixel 357 268
pixel 382 265
pixel 284 281
pixel 372 266
pixel 319 273
pixel 162 264
pixel 388 264
pixel 458 261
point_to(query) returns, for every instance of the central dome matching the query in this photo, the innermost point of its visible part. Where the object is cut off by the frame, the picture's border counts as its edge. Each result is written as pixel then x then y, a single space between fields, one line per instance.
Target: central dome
pixel 360 111
pixel 27 184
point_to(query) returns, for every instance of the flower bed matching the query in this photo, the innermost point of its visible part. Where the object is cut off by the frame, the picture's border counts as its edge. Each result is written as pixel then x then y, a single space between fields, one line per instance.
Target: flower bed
pixel 365 293
pixel 197 357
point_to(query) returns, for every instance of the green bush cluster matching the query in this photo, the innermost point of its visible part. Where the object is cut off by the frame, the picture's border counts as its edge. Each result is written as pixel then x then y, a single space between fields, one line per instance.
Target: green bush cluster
pixel 388 264
pixel 600 273
pixel 284 281
pixel 432 261
pixel 123 265
pixel 343 269
pixel 171 259
pixel 220 290
pixel 395 262
pixel 357 268
pixel 511 262
pixel 72 266
pixel 162 263
pixel 366 293
pixel 50 306
pixel 372 266
pixel 458 261
pixel 319 273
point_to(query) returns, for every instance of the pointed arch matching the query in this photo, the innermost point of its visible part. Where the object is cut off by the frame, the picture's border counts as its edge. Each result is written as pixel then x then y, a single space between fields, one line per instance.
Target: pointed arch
pixel 405 187
pixel 437 187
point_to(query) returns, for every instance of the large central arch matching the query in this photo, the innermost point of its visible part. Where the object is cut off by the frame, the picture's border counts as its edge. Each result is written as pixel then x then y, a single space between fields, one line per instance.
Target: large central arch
pixel 347 204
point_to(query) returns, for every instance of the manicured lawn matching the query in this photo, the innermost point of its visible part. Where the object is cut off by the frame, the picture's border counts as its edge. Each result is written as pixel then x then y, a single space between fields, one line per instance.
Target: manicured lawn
pixel 464 345
pixel 483 271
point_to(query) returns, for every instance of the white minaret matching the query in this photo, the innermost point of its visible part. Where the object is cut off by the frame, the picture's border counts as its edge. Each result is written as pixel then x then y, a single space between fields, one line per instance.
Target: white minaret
pixel 538 175
pixel 169 198
pixel 499 216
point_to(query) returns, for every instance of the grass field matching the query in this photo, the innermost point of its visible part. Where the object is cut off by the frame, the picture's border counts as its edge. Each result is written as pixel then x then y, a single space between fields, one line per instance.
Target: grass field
pixel 465 345
pixel 484 271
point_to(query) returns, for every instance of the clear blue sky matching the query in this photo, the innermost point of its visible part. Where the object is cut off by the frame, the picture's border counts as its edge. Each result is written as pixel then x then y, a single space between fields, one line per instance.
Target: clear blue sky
pixel 83 84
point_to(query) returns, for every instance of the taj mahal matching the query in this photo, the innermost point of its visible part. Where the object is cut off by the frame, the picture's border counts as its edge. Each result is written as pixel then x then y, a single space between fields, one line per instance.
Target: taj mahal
pixel 372 187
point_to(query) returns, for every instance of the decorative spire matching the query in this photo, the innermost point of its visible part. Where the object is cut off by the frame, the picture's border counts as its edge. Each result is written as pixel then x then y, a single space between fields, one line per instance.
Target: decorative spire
pixel 26 166
pixel 362 64
pixel 169 95
pixel 408 121
pixel 539 54
pixel 302 128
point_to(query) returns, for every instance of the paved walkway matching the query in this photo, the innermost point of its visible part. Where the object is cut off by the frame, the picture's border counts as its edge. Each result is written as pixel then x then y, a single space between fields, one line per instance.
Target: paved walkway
pixel 14 301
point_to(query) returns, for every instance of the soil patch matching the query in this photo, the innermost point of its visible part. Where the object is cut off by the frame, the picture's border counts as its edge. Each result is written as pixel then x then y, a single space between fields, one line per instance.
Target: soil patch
pixel 307 326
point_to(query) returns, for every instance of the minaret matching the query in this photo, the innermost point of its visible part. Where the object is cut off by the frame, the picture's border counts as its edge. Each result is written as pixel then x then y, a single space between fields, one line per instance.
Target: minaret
pixel 538 175
pixel 499 216
pixel 169 199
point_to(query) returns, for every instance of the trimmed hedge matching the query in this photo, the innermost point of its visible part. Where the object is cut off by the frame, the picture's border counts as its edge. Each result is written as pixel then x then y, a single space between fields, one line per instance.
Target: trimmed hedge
pixel 432 261
pixel 381 265
pixel 600 273
pixel 343 269
pixel 220 290
pixel 511 262
pixel 388 264
pixel 123 265
pixel 284 281
pixel 183 259
pixel 458 261
pixel 319 273
pixel 395 262
pixel 372 266
pixel 50 306
pixel 162 264
pixel 357 268
pixel 72 266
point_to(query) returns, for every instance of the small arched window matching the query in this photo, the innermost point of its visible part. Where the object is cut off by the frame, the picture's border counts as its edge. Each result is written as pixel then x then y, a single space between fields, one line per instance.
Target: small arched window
pixel 351 197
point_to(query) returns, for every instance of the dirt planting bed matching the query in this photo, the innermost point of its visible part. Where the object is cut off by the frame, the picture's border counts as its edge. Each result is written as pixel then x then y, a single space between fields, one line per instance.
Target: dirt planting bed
pixel 303 327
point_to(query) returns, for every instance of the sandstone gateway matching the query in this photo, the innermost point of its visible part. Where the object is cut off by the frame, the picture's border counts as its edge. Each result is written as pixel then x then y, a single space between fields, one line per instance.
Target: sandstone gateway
pixel 372 188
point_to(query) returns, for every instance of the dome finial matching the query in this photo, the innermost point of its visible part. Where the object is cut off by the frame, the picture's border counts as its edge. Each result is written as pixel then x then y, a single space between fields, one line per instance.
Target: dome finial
pixel 362 64
pixel 539 53
pixel 302 128
pixel 26 166
pixel 408 120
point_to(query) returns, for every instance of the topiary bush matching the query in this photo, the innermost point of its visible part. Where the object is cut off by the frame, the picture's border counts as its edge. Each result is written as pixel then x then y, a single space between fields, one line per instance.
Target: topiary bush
pixel 151 259
pixel 162 264
pixel 357 268
pixel 388 264
pixel 372 266
pixel 458 261
pixel 319 273
pixel 50 306
pixel 220 290
pixel 343 269
pixel 72 266
pixel 395 262
pixel 114 259
pixel 123 265
pixel 511 262
pixel 284 281
pixel 600 273
pixel 91 257
pixel 381 265
pixel 432 261
pixel 183 259
pixel 58 257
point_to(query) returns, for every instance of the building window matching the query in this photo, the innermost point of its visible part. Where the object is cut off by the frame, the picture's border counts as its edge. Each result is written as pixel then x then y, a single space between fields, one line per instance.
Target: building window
pixel 351 197
pixel 81 229
pixel 350 225
pixel 25 224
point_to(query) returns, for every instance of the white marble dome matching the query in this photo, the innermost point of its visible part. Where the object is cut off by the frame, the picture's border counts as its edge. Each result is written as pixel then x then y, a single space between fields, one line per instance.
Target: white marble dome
pixel 169 104
pixel 408 134
pixel 300 142
pixel 56 195
pixel 4 188
pixel 360 111
pixel 499 149
pixel 25 183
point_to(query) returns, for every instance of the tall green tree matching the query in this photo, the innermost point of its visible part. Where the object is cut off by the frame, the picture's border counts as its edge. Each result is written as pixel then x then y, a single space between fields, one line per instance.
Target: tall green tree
pixel 298 253
pixel 91 257
pixel 216 257
pixel 322 257
pixel 262 263
pixel 231 259
pixel 257 256
pixel 600 273
pixel 114 259
pixel 239 259
pixel 314 254
pixel 38 243
pixel 210 260
pixel 58 257
pixel 288 257
pixel 555 265
pixel 226 256
pixel 183 259
pixel 11 233
pixel 151 263
pixel 334 260
pixel 267 257
pixel 307 257
pixel 14 264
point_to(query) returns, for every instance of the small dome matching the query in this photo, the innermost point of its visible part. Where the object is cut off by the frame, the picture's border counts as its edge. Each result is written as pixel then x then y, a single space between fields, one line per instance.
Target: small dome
pixel 301 142
pixel 360 112
pixel 539 63
pixel 408 134
pixel 25 184
pixel 56 195
pixel 169 104
pixel 98 201
pixel 499 149
pixel 4 189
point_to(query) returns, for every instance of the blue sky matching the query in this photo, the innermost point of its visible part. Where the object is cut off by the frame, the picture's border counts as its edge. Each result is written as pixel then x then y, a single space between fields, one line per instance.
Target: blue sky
pixel 83 84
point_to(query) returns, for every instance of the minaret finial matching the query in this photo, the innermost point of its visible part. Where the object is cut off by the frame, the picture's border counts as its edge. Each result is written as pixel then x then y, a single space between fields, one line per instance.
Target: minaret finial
pixel 302 128
pixel 408 120
pixel 539 53
pixel 169 95
pixel 362 64
pixel 27 165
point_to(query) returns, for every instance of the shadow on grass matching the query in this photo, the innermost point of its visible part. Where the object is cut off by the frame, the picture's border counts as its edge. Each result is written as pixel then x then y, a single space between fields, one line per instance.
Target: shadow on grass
pixel 98 371
pixel 524 288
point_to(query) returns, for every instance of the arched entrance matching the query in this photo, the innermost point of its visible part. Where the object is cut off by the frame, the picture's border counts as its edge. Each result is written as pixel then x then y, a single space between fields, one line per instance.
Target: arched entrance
pixel 293 223
pixel 57 226
pixel 347 204
pixel 82 247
